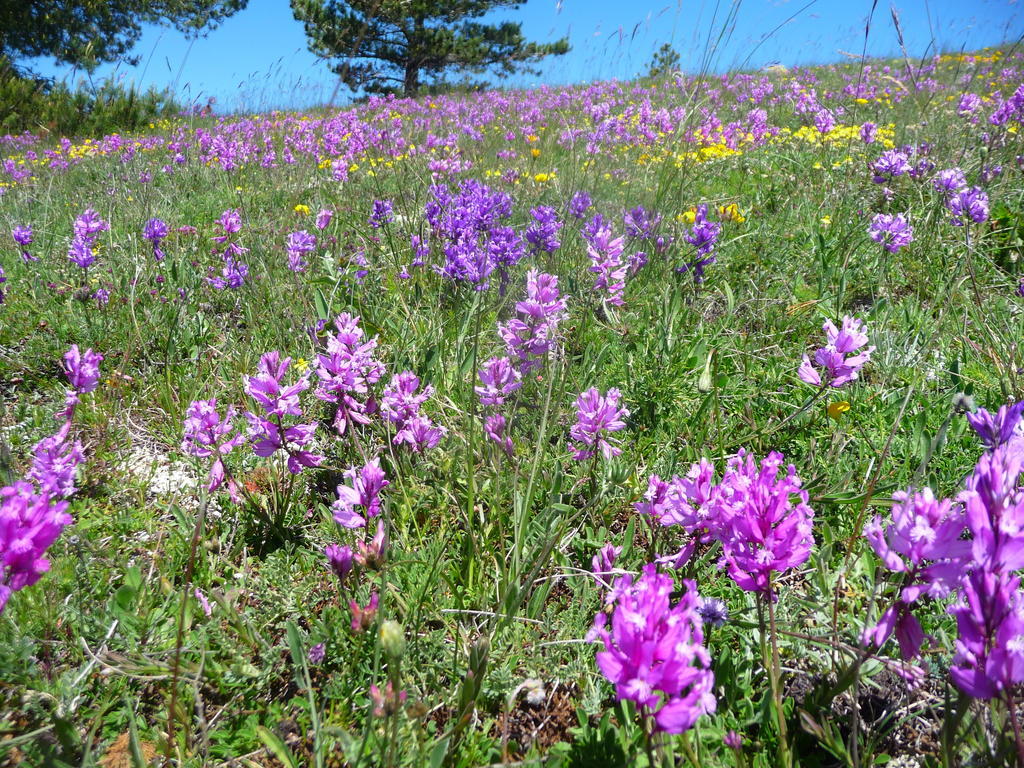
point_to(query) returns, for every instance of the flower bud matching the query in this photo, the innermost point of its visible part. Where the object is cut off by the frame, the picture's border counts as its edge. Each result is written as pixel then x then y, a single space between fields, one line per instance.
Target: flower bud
pixel 392 639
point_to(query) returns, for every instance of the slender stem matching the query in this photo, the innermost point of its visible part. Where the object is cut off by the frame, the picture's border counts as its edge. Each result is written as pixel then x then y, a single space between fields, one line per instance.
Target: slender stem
pixel 646 724
pixel 1012 709
pixel 691 755
pixel 785 758
pixel 197 533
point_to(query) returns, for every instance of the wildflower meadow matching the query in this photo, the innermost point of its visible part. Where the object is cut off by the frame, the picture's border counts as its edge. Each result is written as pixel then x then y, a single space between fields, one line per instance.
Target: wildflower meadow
pixel 654 423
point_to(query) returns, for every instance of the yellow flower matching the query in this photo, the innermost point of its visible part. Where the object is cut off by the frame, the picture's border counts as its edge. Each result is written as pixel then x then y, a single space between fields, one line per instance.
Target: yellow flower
pixel 302 209
pixel 535 152
pixel 731 212
pixel 540 178
pixel 837 409
pixel 531 138
pixel 826 221
pixel 301 365
pixel 688 217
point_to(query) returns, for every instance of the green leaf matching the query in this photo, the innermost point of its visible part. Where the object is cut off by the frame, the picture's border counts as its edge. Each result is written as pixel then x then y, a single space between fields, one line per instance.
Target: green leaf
pixel 276 747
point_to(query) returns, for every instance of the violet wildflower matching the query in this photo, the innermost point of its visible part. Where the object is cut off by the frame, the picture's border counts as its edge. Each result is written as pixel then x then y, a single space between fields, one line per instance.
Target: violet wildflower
pixel 824 120
pixel 703 236
pixel 155 231
pixel 534 333
pixel 298 245
pixel 400 401
pixel 713 611
pixel 233 275
pixel 206 434
pixel 23 237
pixel 3 279
pixel 893 231
pixel 868 132
pixel 347 369
pixel 994 507
pixel 889 165
pixel 383 212
pixel 579 203
pixel 494 429
pixel 968 104
pixel 542 234
pixel 323 218
pixel 654 652
pixel 317 654
pixel 999 428
pixel 89 225
pixel 969 205
pixel 340 560
pixel 364 492
pixel 922 542
pixel 420 434
pixel 769 520
pixel 949 181
pixel 640 223
pixel 835 359
pixel 687 502
pixel 597 416
pixel 271 435
pixel 499 380
pixel 82 369
pixel 82 253
pixel 29 523
pixel 606 262
pixel 603 563
pixel 204 604
pixel 54 463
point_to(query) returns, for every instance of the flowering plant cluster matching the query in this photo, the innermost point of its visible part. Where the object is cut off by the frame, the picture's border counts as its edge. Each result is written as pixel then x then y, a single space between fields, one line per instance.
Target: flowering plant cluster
pixel 842 357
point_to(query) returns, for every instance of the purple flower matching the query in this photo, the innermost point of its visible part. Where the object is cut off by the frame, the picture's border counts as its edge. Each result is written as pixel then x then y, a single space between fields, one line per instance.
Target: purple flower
pixel 23 237
pixel 364 492
pixel 271 435
pixel 494 428
pixel 835 359
pixel 597 416
pixel 89 225
pixel 824 120
pixel 340 560
pixel 323 218
pixel 81 252
pixel 232 275
pixel 54 463
pixel 606 261
pixel 29 523
pixel 994 507
pixel 155 231
pixel 400 401
pixel 654 653
pixel 579 203
pixel 969 204
pixel 703 236
pixel 868 131
pixel 763 530
pixel 603 563
pixel 266 388
pixel 298 245
pixel 542 234
pixel 346 370
pixel 989 657
pixel 893 231
pixel 1000 428
pixel 949 181
pixel 889 165
pixel 420 434
pixel 82 369
pixel 640 223
pixel 499 380
pixel 370 555
pixel 968 104
pixel 534 333
pixel 383 212
pixel 230 223
pixel 205 435
pixel 363 618
pixel 317 654
pixel 713 611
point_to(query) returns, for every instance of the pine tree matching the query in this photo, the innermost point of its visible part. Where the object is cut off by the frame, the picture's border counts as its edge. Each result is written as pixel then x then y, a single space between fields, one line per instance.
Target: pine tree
pixel 86 33
pixel 402 45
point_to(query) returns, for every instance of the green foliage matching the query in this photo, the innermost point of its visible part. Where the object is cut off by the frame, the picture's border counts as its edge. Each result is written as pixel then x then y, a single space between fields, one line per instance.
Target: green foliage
pixel 665 61
pixel 387 46
pixel 42 106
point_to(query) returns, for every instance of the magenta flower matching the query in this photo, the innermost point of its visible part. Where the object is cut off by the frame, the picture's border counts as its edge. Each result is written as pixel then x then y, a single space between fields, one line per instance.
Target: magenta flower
pixel 400 401
pixel 266 388
pixel 370 555
pixel 54 463
pixel 206 435
pixel 340 560
pixel 29 523
pixel 155 231
pixel 323 218
pixel 499 380
pixel 534 333
pixel 364 493
pixel 606 262
pixel 346 371
pixel 597 416
pixel 764 521
pixel 835 359
pixel 298 245
pixel 82 369
pixel 420 434
pixel 23 237
pixel 363 618
pixel 654 652
pixel 269 435
pixel 998 429
pixel 494 428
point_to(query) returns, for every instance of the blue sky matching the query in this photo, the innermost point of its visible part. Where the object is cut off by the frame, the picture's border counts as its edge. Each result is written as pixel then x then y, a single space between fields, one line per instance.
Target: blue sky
pixel 258 59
